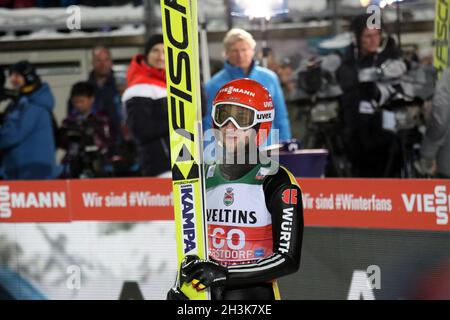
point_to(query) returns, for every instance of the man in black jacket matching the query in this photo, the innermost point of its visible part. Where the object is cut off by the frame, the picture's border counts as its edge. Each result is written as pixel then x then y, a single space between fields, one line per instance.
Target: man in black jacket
pixel 106 90
pixel 369 77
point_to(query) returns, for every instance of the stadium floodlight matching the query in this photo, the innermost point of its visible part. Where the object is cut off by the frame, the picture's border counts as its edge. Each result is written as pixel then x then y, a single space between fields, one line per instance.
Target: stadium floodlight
pixel 261 9
pixel 381 3
pixel 385 3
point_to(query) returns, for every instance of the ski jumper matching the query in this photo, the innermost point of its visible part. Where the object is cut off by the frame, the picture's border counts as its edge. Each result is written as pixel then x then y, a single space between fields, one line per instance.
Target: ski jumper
pixel 255 229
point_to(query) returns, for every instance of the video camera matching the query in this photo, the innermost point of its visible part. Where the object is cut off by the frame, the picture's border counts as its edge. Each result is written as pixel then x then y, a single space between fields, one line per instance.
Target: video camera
pixel 409 87
pixel 317 94
pixel 85 157
pixel 317 88
pixel 6 94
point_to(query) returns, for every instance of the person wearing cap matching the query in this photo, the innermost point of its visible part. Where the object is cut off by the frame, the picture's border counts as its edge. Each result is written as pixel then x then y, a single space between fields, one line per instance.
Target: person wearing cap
pixel 370 80
pixel 27 139
pixel 240 63
pixel 145 104
pixel 254 207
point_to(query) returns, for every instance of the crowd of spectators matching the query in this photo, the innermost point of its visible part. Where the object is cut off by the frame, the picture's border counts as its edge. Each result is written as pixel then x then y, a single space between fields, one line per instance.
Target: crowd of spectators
pixel 112 131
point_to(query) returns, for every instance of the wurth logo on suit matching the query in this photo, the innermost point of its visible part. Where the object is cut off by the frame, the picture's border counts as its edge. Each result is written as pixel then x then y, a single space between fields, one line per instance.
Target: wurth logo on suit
pixel 290 198
pixel 286 230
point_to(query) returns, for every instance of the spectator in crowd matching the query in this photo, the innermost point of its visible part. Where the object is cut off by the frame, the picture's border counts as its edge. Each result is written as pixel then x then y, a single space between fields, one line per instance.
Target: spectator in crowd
pixel 85 135
pixel 435 150
pixel 107 97
pixel 106 89
pixel 27 141
pixel 285 73
pixel 298 122
pixel 373 147
pixel 266 58
pixel 240 63
pixel 145 102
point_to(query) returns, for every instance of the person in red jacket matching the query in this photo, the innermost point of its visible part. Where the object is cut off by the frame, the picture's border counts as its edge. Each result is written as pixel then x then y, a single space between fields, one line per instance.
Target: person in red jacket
pixel 145 103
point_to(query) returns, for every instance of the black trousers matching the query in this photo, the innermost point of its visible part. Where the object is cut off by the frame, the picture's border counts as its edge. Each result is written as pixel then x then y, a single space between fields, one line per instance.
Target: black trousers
pixel 264 291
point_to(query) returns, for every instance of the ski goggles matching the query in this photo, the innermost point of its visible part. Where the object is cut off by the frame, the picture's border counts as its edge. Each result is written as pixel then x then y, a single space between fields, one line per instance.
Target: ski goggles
pixel 242 116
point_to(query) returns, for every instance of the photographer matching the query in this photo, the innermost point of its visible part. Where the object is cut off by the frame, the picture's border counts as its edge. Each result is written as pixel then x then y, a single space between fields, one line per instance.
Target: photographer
pixel 26 134
pixel 369 77
pixel 85 135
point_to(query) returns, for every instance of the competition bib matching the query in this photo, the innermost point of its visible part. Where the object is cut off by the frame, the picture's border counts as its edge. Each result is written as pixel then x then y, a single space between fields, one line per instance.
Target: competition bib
pixel 239 224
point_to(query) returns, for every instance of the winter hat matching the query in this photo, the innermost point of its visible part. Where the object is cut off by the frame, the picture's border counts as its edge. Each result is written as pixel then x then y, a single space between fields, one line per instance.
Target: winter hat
pixel 152 41
pixel 27 70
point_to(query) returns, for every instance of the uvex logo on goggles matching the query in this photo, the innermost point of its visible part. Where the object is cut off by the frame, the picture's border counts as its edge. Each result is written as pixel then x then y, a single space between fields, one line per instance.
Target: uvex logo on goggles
pixel 242 116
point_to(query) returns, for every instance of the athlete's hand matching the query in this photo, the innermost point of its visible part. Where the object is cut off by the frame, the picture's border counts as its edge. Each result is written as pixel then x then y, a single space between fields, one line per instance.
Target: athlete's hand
pixel 176 294
pixel 203 273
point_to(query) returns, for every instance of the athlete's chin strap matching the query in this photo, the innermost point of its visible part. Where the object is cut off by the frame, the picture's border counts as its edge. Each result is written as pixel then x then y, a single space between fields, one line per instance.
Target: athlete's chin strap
pixel 235 170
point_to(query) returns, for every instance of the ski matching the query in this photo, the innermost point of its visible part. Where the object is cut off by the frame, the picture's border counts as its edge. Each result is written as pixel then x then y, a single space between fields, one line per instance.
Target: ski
pixel 441 35
pixel 180 24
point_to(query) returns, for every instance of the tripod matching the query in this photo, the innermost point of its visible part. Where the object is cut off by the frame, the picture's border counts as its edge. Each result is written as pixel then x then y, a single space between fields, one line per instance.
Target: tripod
pixel 324 132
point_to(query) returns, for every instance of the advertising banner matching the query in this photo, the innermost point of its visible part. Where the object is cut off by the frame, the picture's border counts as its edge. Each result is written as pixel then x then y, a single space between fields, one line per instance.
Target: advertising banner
pixel 115 239
pixel 353 203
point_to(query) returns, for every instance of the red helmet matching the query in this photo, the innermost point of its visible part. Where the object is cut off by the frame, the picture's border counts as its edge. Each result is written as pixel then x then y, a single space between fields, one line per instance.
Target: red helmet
pixel 247 104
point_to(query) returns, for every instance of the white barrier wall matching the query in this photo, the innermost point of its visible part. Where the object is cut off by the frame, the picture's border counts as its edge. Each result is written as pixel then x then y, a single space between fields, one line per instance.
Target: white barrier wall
pixel 104 256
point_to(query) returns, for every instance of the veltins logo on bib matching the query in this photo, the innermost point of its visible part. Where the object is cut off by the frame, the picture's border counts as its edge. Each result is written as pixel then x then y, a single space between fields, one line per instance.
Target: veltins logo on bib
pixel 228 198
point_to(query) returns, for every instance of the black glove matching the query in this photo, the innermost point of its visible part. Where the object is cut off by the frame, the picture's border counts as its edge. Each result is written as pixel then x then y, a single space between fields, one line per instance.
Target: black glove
pixel 176 294
pixel 203 273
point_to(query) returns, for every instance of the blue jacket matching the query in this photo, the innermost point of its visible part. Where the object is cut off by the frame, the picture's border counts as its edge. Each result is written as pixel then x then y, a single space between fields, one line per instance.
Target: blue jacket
pixel 27 143
pixel 264 76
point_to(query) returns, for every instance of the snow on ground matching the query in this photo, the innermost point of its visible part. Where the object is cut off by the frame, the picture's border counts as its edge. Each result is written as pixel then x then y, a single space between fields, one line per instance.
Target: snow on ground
pixel 127 30
pixel 55 16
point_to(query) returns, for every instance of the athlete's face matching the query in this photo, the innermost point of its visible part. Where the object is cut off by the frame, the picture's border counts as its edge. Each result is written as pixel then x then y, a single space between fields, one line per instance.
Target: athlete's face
pixel 234 139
